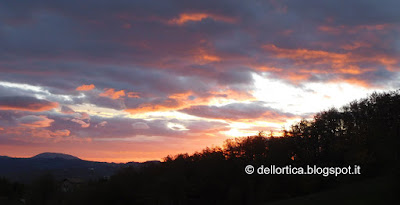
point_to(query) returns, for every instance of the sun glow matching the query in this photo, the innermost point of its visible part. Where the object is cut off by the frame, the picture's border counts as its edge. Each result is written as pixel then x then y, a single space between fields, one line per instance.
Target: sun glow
pixel 307 98
pixel 235 132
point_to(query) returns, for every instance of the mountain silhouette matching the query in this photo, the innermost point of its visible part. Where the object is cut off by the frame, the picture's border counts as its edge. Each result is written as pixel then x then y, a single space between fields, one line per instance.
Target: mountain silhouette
pixel 60 165
pixel 50 155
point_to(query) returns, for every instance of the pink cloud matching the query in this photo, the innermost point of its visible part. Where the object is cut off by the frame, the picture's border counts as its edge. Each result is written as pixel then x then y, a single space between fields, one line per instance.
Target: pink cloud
pixel 81 122
pixel 35 121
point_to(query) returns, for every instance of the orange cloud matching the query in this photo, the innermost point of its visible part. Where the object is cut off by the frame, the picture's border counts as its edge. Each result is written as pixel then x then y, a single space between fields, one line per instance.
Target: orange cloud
pixel 303 74
pixel 340 62
pixel 202 55
pixel 186 17
pixel 85 87
pixel 351 69
pixel 305 54
pixel 308 62
pixel 186 99
pixel 297 77
pixel 165 105
pixel 173 102
pixel 211 58
pixel 111 93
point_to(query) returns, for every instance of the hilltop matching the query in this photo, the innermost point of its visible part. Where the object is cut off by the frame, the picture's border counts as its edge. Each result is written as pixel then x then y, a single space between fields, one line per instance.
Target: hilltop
pixel 50 155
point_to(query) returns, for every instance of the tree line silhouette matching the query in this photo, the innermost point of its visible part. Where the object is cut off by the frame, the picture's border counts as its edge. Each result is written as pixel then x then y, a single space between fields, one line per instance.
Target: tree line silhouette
pixel 365 132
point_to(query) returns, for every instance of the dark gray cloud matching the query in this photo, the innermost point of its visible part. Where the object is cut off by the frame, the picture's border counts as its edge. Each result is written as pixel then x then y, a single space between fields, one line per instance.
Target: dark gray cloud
pixel 134 44
pixel 347 13
pixel 24 103
pixel 67 110
pixel 135 47
pixel 238 111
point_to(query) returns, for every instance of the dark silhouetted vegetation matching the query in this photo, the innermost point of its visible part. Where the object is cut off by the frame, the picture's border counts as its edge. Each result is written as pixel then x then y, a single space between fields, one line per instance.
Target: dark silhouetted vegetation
pixel 365 133
pixel 10 191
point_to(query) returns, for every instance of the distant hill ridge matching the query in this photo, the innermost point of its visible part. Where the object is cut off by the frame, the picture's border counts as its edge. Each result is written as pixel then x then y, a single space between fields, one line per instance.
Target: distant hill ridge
pixel 60 166
pixel 51 155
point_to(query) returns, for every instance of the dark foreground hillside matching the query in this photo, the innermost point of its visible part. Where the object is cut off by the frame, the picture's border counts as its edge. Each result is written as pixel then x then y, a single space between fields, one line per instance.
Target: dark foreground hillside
pixel 370 191
pixel 365 133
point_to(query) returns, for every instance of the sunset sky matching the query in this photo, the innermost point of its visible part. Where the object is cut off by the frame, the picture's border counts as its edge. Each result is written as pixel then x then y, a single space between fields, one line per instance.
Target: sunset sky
pixel 121 81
